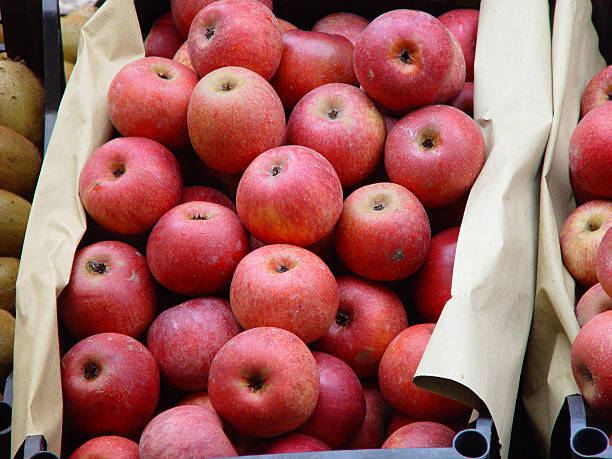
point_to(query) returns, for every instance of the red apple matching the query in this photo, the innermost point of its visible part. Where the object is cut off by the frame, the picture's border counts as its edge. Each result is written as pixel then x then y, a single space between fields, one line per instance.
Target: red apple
pixel 234 115
pixel 264 382
pixel 348 25
pixel 128 183
pixel 598 91
pixel 369 316
pixel 580 236
pixel 431 284
pixel 383 233
pixel 310 60
pixel 465 99
pixel 343 124
pixel 423 434
pixel 590 152
pixel 287 287
pixel 463 24
pixel 285 25
pixel 445 217
pixel 603 263
pixel 239 33
pixel 182 56
pixel 110 385
pixel 397 368
pixel 110 290
pixel 580 194
pixel 149 98
pixel 185 338
pixel 207 194
pixel 398 419
pixel 341 405
pixel 200 399
pixel 107 447
pixel 163 39
pixel 594 301
pixel 184 432
pixel 407 58
pixel 436 152
pixel 195 248
pixel 293 443
pixel 290 194
pixel 372 432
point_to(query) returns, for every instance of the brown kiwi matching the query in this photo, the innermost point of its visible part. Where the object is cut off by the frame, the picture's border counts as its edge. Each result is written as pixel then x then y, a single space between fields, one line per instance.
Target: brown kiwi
pixel 20 163
pixel 9 267
pixel 14 213
pixel 7 338
pixel 68 67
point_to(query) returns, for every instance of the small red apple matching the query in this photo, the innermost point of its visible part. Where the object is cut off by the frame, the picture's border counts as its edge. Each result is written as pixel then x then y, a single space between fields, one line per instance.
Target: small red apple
pixel 107 447
pixel 598 91
pixel 163 39
pixel 594 301
pixel 182 56
pixel 293 443
pixel 423 434
pixel 348 25
pixel 285 25
pixel 463 24
pixel 465 99
pixel 372 432
pixel 603 263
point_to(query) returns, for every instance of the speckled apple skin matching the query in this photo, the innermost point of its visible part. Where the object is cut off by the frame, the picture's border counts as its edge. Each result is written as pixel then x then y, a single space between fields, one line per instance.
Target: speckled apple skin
pixel 598 91
pixel 603 262
pixel 373 430
pixel 465 99
pixel 163 39
pixel 107 446
pixel 463 24
pixel 294 443
pixel 435 73
pixel 421 434
pixel 348 25
pixel 591 303
pixel 182 56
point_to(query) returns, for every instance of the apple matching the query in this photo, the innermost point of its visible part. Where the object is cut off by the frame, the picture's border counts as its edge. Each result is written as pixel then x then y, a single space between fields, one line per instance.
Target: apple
pixel 182 56
pixel 465 99
pixel 348 25
pixel 343 124
pixel 195 248
pixel 436 152
pixel 207 194
pixel 285 25
pixel 184 432
pixel 310 60
pixel 264 382
pixel 397 368
pixel 369 316
pixel 431 284
pixel 398 419
pixel 289 195
pixel 185 338
pixel 372 432
pixel 110 290
pixel 163 39
pixel 597 92
pixel 590 152
pixel 284 286
pixel 407 58
pixel 128 183
pixel 445 217
pixel 200 399
pixel 580 236
pixel 390 121
pixel 594 301
pixel 422 434
pixel 383 233
pixel 149 98
pixel 107 447
pixel 110 385
pixel 591 368
pixel 292 443
pixel 340 408
pixel 234 115
pixel 463 24
pixel 239 33
pixel 580 194
pixel 603 263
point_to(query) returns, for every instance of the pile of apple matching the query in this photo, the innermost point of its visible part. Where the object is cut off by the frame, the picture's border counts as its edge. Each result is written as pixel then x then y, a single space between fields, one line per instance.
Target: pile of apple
pixel 270 322
pixel 586 243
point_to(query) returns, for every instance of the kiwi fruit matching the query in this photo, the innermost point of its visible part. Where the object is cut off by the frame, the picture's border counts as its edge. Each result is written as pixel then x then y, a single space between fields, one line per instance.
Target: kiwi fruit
pixel 7 338
pixel 14 213
pixel 71 29
pixel 20 163
pixel 22 100
pixel 68 67
pixel 9 267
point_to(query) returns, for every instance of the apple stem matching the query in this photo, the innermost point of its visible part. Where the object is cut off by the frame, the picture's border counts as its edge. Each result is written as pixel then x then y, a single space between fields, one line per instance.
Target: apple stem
pixel 91 371
pixel 210 31
pixel 282 269
pixel 342 319
pixel 226 86
pixel 428 143
pixel 118 171
pixel 199 217
pixel 276 170
pixel 405 57
pixel 379 206
pixel 333 114
pixel 96 267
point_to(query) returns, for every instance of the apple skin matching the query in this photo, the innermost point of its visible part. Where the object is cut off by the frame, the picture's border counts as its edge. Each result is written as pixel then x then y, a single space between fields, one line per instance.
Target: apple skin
pixel 580 237
pixel 421 434
pixel 185 338
pixel 372 432
pixel 340 408
pixel 107 447
pixel 264 382
pixel 285 25
pixel 603 263
pixel 183 12
pixel 234 115
pixel 289 195
pixel 369 316
pixel 397 368
pixel 239 33
pixel 598 91
pixel 207 194
pixel 398 419
pixel 445 217
pixel 182 56
pixel 163 39
pixel 463 24
pixel 383 233
pixel 590 152
pixel 184 432
pixel 348 25
pixel 465 99
pixel 149 98
pixel 431 284
pixel 310 60
pixel 195 248
pixel 580 194
pixel 407 58
pixel 200 399
pixel 594 301
pixel 343 124
pixel 591 367
pixel 292 443
pixel 110 385
pixel 436 152
pixel 128 183
pixel 284 286
pixel 110 290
